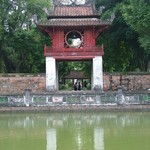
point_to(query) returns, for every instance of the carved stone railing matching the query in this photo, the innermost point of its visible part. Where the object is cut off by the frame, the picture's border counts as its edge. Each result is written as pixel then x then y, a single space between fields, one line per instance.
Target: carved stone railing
pixel 75 98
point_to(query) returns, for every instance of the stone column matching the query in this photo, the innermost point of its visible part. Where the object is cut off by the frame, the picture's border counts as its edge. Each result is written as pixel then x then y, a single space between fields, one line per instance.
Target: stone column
pixel 97 78
pixel 50 74
pixel 27 97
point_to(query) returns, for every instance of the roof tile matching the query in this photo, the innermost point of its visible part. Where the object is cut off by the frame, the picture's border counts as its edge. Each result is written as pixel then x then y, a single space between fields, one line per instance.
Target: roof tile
pixel 73 11
pixel 74 22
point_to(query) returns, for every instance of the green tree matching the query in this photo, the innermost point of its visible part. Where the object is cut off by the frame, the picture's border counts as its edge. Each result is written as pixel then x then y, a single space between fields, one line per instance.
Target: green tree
pixel 122 49
pixel 137 15
pixel 18 34
pixel 66 67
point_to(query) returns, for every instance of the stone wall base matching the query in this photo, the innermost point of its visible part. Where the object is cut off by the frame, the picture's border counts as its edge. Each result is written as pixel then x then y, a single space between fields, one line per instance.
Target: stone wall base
pixel 18 83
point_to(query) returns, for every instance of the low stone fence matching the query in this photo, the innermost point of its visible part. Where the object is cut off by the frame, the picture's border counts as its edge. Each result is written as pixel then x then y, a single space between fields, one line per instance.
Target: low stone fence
pixel 17 83
pixel 30 99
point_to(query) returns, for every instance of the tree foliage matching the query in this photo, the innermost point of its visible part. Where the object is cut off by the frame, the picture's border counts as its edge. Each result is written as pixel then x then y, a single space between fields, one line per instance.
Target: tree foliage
pixel 20 42
pixel 137 15
pixel 127 39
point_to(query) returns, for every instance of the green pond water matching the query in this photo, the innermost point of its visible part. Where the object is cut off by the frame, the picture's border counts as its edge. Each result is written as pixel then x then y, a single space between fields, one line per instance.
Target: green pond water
pixel 75 131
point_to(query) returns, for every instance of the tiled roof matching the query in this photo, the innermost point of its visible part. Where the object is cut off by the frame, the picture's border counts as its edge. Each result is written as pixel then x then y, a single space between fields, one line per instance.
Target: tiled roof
pixel 73 11
pixel 83 15
pixel 73 22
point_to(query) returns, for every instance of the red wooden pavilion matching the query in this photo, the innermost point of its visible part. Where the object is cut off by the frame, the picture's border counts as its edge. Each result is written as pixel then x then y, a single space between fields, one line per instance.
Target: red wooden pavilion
pixel 73 26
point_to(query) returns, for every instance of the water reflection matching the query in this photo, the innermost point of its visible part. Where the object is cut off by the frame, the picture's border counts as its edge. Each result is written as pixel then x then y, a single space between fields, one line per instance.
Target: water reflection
pixel 51 139
pixel 60 120
pixel 98 139
pixel 75 131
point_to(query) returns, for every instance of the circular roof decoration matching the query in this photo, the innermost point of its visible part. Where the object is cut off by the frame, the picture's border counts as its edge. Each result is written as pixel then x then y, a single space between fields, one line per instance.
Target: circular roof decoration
pixel 74 39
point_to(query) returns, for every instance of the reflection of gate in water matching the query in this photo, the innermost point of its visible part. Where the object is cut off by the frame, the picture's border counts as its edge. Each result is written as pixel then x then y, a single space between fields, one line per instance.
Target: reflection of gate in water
pixel 98 137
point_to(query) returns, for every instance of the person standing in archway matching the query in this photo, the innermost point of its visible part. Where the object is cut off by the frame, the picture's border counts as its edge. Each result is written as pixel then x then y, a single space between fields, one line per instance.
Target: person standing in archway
pixel 75 86
pixel 79 86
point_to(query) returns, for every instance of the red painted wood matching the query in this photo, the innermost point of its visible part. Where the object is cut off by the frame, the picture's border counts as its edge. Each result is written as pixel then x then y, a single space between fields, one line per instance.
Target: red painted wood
pixel 88 51
pixel 73 53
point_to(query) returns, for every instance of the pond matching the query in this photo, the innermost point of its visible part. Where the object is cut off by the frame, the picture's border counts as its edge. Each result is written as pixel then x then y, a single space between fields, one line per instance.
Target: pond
pixel 75 131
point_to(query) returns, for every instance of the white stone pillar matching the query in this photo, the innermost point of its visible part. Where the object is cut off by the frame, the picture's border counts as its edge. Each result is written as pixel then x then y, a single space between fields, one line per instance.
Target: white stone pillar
pixel 97 78
pixel 50 74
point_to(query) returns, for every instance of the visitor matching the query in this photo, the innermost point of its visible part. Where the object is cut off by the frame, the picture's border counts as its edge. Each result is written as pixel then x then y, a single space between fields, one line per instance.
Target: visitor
pixel 79 86
pixel 75 86
pixel 85 84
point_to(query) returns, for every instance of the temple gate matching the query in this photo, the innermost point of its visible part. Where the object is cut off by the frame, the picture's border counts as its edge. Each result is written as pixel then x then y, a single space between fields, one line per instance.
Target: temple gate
pixel 73 26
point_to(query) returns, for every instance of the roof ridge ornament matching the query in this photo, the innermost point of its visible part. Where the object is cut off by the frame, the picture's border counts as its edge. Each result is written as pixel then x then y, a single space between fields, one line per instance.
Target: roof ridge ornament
pixel 72 2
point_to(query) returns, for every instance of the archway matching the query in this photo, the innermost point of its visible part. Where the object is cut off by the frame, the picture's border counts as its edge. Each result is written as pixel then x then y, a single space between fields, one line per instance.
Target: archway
pixel 71 72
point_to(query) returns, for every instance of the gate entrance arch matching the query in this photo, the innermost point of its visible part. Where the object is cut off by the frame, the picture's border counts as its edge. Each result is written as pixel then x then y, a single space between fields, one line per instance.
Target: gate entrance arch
pixel 73 29
pixel 76 71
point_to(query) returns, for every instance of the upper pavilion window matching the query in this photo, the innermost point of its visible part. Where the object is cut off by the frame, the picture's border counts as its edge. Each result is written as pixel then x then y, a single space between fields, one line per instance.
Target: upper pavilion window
pixel 74 39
